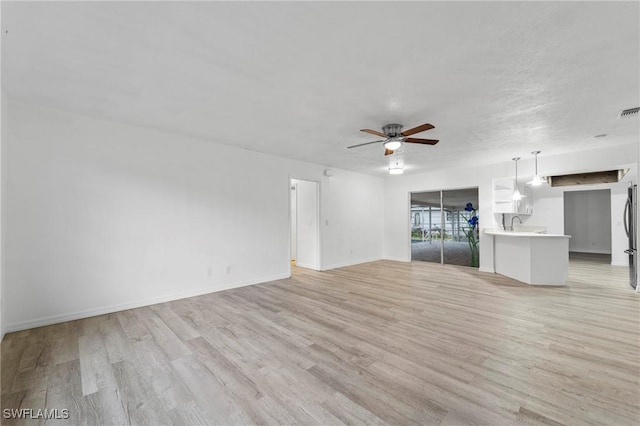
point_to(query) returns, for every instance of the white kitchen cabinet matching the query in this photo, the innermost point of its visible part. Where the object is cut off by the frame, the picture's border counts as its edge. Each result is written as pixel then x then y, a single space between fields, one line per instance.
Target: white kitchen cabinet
pixel 503 201
pixel 530 257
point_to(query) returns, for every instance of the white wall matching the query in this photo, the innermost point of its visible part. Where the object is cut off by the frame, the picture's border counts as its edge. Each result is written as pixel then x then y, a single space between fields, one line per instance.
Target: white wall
pixel 3 132
pixel 307 242
pixel 2 138
pixel 587 218
pixel 104 216
pixel 351 231
pixel 293 218
pixel 397 204
pixel 548 202
pixel 548 211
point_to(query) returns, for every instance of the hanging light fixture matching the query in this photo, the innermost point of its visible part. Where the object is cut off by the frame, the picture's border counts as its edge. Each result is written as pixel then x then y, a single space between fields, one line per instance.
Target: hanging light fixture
pixel 393 144
pixel 537 180
pixel 396 169
pixel 516 193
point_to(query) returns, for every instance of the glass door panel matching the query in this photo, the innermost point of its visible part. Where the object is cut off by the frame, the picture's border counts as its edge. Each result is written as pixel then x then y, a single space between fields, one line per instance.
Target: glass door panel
pixel 426 227
pixel 460 232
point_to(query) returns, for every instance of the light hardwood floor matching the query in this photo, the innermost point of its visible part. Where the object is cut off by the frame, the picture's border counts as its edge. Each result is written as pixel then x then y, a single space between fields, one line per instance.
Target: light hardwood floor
pixel 378 343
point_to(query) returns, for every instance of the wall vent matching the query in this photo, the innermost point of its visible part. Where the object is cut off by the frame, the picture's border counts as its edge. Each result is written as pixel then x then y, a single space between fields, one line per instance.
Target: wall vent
pixel 631 112
pixel 589 178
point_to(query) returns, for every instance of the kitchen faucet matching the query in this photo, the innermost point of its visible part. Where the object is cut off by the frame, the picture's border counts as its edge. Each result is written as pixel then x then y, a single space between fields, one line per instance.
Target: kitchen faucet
pixel 507 227
pixel 515 217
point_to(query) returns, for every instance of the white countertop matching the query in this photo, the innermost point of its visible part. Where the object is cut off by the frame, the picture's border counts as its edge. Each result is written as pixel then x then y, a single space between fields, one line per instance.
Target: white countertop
pixel 530 257
pixel 532 233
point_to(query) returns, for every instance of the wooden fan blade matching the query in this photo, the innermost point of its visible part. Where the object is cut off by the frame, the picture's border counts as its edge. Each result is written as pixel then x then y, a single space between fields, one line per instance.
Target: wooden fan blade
pixel 388 151
pixel 423 141
pixel 418 129
pixel 374 132
pixel 366 143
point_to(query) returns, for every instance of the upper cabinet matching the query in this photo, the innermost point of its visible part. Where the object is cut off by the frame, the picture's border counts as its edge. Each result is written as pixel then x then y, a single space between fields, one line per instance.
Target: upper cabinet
pixel 503 201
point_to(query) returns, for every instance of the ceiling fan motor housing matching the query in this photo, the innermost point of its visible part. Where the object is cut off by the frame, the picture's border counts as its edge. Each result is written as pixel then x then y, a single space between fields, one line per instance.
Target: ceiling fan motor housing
pixel 392 130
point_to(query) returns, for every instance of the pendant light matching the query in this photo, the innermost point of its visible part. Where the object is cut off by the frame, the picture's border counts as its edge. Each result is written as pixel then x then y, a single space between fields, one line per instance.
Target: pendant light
pixel 396 169
pixel 537 180
pixel 516 193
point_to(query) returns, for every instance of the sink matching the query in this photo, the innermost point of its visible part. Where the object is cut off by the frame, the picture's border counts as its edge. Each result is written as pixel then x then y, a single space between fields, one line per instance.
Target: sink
pixel 531 229
pixel 523 230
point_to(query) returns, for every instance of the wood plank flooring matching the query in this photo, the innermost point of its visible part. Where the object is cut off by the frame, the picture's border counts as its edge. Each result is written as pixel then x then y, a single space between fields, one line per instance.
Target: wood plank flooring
pixel 379 343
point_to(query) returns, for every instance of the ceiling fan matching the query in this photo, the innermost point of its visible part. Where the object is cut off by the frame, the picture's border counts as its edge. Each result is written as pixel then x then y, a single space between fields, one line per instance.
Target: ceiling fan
pixel 394 137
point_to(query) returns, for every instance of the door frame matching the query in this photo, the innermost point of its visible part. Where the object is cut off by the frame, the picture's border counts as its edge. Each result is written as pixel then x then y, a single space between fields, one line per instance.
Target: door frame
pixel 441 191
pixel 318 256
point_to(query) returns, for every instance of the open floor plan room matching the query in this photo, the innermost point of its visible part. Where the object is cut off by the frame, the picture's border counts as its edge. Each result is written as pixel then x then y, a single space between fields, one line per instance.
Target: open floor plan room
pixel 319 213
pixel 378 343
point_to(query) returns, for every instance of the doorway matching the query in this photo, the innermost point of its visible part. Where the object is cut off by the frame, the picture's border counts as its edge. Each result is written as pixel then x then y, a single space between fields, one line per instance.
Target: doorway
pixel 587 218
pixel 440 227
pixel 304 224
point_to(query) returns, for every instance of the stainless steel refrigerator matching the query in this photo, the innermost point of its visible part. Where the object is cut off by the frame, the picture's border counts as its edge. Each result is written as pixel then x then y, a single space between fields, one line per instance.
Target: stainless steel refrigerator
pixel 631 227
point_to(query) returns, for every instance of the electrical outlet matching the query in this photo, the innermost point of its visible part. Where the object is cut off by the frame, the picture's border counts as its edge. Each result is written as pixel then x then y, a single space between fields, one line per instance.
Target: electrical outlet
pixel 209 271
pixel 227 270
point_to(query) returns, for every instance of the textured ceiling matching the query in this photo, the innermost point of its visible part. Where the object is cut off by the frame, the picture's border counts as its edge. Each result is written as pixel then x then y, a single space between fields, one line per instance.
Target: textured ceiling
pixel 497 79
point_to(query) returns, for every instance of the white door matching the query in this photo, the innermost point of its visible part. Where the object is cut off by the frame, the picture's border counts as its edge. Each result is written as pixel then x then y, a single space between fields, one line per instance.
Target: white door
pixel 293 199
pixel 307 224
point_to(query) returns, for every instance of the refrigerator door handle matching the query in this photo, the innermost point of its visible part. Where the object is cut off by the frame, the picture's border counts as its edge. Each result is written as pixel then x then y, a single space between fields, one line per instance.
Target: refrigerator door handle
pixel 625 216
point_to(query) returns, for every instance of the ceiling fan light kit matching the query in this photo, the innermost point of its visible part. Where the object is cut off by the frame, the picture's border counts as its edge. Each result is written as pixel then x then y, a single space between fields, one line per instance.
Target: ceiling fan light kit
pixel 395 137
pixel 392 145
pixel 396 170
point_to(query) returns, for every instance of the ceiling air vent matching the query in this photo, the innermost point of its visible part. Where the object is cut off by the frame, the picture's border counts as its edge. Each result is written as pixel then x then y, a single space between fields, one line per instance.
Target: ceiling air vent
pixel 590 178
pixel 631 112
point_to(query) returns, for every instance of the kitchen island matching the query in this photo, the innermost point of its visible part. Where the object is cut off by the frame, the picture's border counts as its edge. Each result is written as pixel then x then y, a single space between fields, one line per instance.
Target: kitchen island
pixel 531 257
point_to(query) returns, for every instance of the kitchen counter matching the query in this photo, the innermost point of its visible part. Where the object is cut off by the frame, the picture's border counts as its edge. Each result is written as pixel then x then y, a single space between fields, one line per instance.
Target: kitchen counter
pixel 531 256
pixel 519 233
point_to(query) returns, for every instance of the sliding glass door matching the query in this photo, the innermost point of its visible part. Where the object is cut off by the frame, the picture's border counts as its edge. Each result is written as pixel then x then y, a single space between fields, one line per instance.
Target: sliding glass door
pixel 444 227
pixel 426 227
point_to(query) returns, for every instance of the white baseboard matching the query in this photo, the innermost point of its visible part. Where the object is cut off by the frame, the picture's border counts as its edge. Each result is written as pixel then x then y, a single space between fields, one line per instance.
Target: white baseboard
pixel 590 251
pixel 308 266
pixel 55 319
pixel 485 269
pixel 397 259
pixel 350 263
